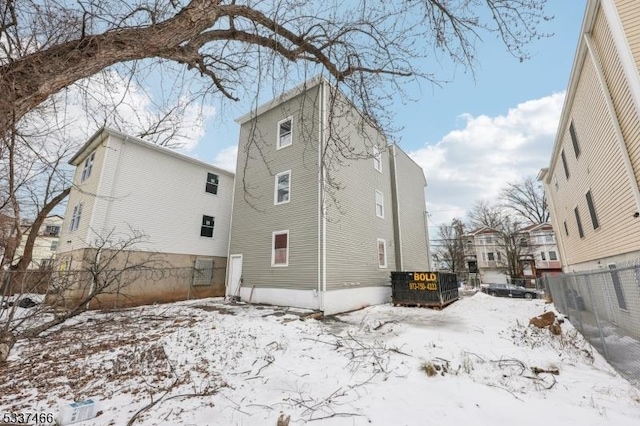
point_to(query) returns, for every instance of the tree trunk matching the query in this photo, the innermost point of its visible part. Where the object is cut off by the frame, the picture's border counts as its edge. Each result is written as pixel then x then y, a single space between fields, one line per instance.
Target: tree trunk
pixel 29 81
pixel 7 340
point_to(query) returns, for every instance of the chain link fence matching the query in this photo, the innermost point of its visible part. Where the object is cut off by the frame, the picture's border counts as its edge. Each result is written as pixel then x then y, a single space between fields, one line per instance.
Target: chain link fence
pixel 604 306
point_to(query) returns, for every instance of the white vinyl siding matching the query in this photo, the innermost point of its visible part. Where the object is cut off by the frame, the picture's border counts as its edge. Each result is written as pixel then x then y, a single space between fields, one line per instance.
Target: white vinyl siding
pixel 172 197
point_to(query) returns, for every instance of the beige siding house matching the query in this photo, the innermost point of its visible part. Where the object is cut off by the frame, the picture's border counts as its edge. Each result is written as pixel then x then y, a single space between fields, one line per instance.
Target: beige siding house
pixel 315 225
pixel 592 180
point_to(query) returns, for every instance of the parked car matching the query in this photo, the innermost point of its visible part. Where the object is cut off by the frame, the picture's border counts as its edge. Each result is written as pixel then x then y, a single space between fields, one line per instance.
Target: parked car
pixel 510 290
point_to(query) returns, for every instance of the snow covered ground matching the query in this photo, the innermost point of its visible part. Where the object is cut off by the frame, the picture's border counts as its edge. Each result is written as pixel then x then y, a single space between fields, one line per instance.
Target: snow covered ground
pixel 208 362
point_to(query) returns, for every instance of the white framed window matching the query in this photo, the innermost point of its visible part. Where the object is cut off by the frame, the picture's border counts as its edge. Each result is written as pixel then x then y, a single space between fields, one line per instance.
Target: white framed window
pixel 382 253
pixel 379 204
pixel 553 255
pixel 54 246
pixel 88 165
pixel 206 230
pixel 280 248
pixel 282 191
pixel 285 133
pixel 548 238
pixel 377 158
pixel 543 255
pixel 555 182
pixel 491 256
pixel 212 183
pixel 75 217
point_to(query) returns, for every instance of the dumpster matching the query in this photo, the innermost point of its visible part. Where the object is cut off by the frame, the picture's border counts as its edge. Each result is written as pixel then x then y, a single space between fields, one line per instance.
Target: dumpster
pixel 432 289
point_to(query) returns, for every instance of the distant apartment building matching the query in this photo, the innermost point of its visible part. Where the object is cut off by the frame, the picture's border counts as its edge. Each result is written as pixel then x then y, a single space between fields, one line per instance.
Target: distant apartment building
pixel 45 245
pixel 537 254
pixel 313 227
pixel 592 179
pixel 182 206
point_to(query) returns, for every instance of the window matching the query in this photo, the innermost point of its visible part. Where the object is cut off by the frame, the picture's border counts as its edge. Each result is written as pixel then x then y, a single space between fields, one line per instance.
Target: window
pixel 617 286
pixel 206 230
pixel 566 228
pixel 498 256
pixel 564 163
pixel 212 183
pixel 75 217
pixel 579 222
pixel 46 263
pixel 285 128
pixel 379 204
pixel 592 211
pixel 555 182
pixel 553 255
pixel 491 256
pixel 88 165
pixel 52 231
pixel 574 139
pixel 377 158
pixel 484 256
pixel 282 188
pixel 54 246
pixel 280 245
pixel 543 255
pixel 382 253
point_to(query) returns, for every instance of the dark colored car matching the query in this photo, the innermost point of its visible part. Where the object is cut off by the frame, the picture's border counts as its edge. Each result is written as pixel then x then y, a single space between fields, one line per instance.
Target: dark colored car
pixel 510 290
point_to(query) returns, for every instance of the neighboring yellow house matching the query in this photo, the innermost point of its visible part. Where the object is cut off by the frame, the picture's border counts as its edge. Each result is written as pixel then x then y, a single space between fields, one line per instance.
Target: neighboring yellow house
pixel 45 245
pixel 592 180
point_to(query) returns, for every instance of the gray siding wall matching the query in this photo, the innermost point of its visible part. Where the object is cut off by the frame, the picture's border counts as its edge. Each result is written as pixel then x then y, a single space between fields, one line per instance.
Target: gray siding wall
pixel 255 217
pixel 352 225
pixel 411 207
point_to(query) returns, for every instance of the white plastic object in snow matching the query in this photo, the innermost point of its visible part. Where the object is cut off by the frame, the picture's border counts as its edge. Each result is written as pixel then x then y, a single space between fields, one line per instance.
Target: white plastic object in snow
pixel 77 412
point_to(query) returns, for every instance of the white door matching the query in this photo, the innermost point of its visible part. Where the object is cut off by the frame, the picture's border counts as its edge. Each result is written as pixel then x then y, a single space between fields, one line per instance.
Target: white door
pixel 235 275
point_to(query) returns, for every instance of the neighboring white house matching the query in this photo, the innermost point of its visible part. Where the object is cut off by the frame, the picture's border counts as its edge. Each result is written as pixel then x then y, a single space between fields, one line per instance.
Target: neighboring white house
pixel 45 244
pixel 483 251
pixel 312 228
pixel 180 204
pixel 538 254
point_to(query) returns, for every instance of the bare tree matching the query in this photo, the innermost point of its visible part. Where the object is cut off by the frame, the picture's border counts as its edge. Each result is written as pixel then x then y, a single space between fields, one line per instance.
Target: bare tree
pixel 485 214
pixel 513 243
pixel 110 267
pixel 48 45
pixel 528 200
pixel 450 245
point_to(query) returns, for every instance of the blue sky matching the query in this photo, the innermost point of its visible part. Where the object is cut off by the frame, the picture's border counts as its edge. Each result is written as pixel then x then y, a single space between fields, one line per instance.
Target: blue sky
pixel 475 133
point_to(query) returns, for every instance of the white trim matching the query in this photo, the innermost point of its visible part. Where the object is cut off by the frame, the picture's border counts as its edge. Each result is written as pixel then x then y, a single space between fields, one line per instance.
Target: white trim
pixel 229 271
pixel 88 165
pixel 279 146
pixel 593 54
pixel 381 203
pixel 273 250
pixel 325 101
pixel 377 158
pixel 384 242
pixel 275 189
